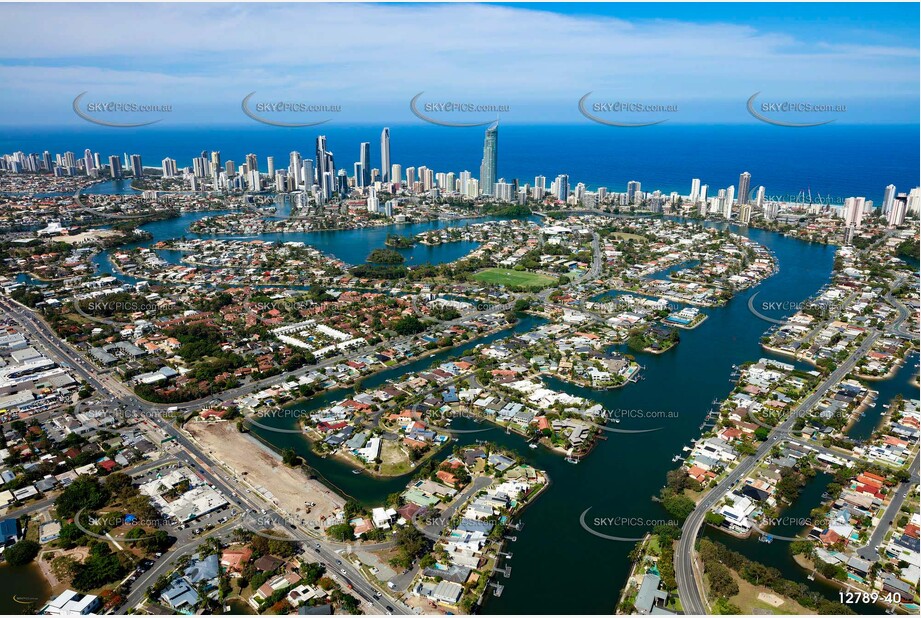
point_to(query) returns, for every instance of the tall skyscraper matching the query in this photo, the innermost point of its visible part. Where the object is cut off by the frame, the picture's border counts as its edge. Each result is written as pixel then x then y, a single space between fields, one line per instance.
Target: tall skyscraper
pixel 695 189
pixel 745 180
pixel 385 155
pixel 759 198
pixel 326 168
pixel 633 187
pixel 88 165
pixel 252 163
pixel 888 199
pixel 730 198
pixel 489 166
pixel 396 173
pixel 896 214
pixel 169 167
pixel 914 201
pixel 853 211
pixel 270 163
pixel 364 160
pixel 115 167
pixel 295 166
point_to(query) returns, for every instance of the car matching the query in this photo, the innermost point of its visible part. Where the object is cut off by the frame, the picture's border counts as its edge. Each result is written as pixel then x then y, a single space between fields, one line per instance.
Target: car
pixel 389 610
pixel 343 571
pixel 378 594
pixel 316 549
pixel 338 561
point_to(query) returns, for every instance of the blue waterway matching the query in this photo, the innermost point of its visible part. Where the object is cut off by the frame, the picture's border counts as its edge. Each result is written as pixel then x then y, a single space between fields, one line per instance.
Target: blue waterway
pixel 835 160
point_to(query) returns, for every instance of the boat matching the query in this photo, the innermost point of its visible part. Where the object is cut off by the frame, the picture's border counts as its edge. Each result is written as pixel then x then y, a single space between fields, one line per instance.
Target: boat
pixel 532 445
pixel 356 471
pixel 571 460
pixel 767 538
pixel 616 420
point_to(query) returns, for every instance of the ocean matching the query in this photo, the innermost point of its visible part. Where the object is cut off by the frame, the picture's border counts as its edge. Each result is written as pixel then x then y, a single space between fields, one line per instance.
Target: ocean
pixel 831 161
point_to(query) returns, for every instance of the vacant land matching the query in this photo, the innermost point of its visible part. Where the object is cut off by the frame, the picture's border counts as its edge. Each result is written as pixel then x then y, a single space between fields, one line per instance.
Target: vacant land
pixel 626 236
pixel 519 278
pixel 759 599
pixel 288 488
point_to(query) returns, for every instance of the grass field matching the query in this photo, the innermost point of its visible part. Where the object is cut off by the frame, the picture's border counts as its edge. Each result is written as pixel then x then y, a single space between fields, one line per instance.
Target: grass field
pixel 502 276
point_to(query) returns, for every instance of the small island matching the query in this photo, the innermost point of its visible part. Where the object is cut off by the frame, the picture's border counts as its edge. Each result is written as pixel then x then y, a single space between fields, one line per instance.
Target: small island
pixel 385 256
pixel 400 242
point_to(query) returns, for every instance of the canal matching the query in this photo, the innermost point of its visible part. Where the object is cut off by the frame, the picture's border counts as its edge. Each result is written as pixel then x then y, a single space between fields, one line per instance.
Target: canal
pixel 558 567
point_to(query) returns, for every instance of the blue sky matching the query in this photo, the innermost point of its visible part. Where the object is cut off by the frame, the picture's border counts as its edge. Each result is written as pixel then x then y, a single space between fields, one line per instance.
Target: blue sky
pixel 538 59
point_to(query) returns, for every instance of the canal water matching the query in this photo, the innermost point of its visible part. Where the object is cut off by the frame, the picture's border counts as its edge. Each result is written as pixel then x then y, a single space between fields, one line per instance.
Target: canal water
pixel 23 589
pixel 625 471
pixel 899 384
pixel 350 246
pixel 558 567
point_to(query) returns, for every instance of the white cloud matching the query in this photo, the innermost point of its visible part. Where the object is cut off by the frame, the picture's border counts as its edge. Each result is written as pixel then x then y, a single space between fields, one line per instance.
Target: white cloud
pixel 212 54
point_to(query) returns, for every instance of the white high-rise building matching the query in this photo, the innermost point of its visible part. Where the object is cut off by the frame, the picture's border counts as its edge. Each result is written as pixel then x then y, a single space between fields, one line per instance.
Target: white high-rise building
pixel 695 189
pixel 744 182
pixel 88 162
pixel 896 214
pixel 295 166
pixel 727 205
pixel 888 199
pixel 374 203
pixel 169 168
pixel 914 201
pixel 396 173
pixel 853 211
pixel 745 213
pixel 385 155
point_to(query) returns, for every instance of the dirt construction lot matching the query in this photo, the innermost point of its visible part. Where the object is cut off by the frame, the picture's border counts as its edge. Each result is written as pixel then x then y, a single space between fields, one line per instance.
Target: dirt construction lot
pixel 263 472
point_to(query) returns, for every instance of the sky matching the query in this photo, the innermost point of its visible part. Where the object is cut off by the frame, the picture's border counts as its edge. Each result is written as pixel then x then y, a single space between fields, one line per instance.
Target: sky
pixel 535 61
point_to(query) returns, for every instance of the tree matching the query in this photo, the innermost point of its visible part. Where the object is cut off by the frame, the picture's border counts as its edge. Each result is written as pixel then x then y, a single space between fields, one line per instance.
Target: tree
pixel 100 568
pixel 341 532
pixel 21 553
pixel 85 492
pixel 677 505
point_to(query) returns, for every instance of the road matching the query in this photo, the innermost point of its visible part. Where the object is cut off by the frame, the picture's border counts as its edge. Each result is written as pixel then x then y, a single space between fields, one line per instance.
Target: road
pixel 870 551
pixel 187 451
pixel 689 585
pixel 108 386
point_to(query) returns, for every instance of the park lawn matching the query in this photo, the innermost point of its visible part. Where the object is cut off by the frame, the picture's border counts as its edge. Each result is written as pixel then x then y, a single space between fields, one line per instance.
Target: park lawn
pixel 520 278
